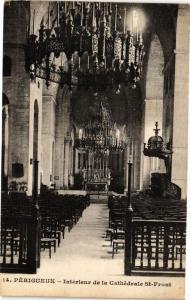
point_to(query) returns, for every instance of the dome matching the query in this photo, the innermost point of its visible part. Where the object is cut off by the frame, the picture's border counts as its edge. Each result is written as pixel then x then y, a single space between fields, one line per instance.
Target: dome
pixel 155 142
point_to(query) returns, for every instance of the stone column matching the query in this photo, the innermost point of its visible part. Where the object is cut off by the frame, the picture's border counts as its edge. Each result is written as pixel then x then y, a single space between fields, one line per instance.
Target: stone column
pixel 126 156
pixel 136 164
pixel 72 164
pixel 66 162
pixel 62 130
pixel 153 112
pixel 181 90
pixel 35 95
pixel 48 138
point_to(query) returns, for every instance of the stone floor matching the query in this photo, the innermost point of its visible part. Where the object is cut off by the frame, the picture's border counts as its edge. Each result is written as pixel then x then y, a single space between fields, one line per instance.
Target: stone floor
pixel 85 250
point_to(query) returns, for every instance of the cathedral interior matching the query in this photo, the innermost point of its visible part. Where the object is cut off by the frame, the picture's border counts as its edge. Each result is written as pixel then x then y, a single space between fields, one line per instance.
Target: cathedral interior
pixel 94 122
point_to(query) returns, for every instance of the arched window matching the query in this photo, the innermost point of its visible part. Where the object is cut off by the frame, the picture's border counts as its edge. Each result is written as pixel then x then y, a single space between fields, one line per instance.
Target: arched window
pixel 6 66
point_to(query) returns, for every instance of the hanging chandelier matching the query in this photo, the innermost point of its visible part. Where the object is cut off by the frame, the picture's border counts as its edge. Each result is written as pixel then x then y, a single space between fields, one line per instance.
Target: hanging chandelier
pixel 101 51
pixel 99 135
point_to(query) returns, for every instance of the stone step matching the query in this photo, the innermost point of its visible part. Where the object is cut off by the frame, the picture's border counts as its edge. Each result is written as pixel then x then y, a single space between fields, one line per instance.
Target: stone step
pixel 98 198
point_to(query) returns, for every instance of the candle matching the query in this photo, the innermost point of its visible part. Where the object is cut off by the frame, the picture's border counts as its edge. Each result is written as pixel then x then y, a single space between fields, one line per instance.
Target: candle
pixel 124 20
pixel 57 14
pixel 132 25
pixel 93 17
pixel 88 62
pixel 137 29
pixel 115 17
pixel 61 59
pixel 29 23
pixel 81 20
pixel 137 34
pixel 48 17
pixel 33 20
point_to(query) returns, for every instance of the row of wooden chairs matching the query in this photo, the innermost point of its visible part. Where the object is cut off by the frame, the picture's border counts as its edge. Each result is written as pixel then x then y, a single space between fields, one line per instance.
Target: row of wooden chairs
pixel 145 207
pixel 56 213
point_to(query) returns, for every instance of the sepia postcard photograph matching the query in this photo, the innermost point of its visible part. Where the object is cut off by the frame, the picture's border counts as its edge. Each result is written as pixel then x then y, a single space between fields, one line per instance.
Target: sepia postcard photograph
pixel 94 149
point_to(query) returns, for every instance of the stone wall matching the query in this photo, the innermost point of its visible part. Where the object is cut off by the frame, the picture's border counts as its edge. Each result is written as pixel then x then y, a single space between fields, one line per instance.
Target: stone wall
pixel 153 109
pixel 17 87
pixel 21 91
pixel 181 94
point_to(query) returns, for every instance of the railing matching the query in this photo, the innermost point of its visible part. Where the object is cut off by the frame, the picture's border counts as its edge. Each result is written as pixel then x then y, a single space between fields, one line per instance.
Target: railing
pixel 173 189
pixel 161 185
pixel 157 247
pixel 20 239
pixel 153 247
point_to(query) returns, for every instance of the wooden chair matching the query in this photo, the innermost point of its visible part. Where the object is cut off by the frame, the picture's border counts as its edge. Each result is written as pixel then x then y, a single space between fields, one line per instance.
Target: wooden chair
pixel 48 243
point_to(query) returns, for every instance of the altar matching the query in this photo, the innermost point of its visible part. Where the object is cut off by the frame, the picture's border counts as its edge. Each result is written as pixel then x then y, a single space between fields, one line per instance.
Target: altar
pixel 96 186
pixel 96 179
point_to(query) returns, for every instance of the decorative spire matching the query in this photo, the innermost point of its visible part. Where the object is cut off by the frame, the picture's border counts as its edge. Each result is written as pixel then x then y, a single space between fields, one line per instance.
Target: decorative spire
pixel 156 130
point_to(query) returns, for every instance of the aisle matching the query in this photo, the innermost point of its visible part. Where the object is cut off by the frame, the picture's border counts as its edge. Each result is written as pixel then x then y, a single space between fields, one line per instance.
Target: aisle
pixel 83 267
pixel 85 251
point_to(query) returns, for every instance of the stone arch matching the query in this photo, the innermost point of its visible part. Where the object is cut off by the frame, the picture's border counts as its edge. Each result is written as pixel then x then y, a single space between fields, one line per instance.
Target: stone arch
pixel 154 80
pixel 153 107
